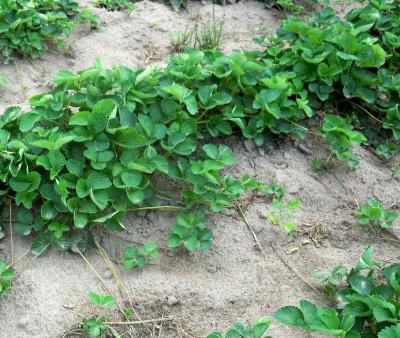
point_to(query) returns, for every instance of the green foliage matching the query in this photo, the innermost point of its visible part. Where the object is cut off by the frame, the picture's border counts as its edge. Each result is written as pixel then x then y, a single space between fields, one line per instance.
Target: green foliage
pixel 104 301
pixel 367 302
pixel 283 213
pixel 238 330
pixel 26 26
pixel 337 65
pixel 115 5
pixel 285 5
pixel 94 327
pixel 96 145
pixel 374 214
pixel 395 170
pixel 191 232
pixel 6 277
pixel 70 171
pixel 133 258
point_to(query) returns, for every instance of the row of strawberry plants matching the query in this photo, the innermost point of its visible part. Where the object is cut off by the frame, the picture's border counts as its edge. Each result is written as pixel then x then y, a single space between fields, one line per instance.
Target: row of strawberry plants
pixel 103 141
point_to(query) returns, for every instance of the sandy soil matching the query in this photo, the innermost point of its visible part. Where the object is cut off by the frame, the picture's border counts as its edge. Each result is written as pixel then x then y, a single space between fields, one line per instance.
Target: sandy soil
pixel 233 281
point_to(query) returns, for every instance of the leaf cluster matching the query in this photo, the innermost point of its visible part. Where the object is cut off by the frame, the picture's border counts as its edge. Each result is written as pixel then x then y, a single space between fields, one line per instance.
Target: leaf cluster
pixel 366 303
pixel 373 213
pixel 26 26
pixel 137 258
pixel 97 145
pixel 238 330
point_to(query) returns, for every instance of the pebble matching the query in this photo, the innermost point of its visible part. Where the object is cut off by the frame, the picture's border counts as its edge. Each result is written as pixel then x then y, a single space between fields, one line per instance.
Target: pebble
pixel 107 274
pixel 257 228
pixel 249 145
pixel 261 151
pixel 2 246
pixel 304 149
pixel 23 322
pixel 281 165
pixel 293 189
pixel 287 156
pixel 172 300
pixel 261 214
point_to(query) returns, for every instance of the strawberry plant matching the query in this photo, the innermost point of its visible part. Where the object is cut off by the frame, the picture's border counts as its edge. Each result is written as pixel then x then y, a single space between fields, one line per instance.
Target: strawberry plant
pixel 96 326
pixel 137 258
pixel 190 232
pixel 283 213
pixel 238 330
pixel 374 214
pixel 26 26
pixel 366 303
pixel 6 277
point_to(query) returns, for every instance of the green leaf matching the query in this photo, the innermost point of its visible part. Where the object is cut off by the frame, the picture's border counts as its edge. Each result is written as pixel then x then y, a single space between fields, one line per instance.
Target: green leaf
pixel 48 210
pixel 130 138
pixel 98 181
pixel 101 112
pixel 290 315
pixel 131 178
pixel 105 301
pixel 28 182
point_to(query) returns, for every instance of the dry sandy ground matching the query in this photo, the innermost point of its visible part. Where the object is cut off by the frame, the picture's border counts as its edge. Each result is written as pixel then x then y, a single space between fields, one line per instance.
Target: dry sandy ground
pixel 233 281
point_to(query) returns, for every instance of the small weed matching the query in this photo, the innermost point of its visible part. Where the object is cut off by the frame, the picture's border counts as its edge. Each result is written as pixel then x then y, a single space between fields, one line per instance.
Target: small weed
pixel 374 214
pixel 115 5
pixel 395 170
pixel 182 40
pixel 209 36
pixel 283 213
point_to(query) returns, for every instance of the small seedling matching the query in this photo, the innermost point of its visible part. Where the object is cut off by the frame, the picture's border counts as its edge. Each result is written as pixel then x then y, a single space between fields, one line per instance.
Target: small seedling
pixel 238 330
pixel 387 150
pixel 96 326
pixel 133 258
pixel 331 279
pixel 395 170
pixel 190 232
pixel 6 277
pixel 283 213
pixel 374 214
